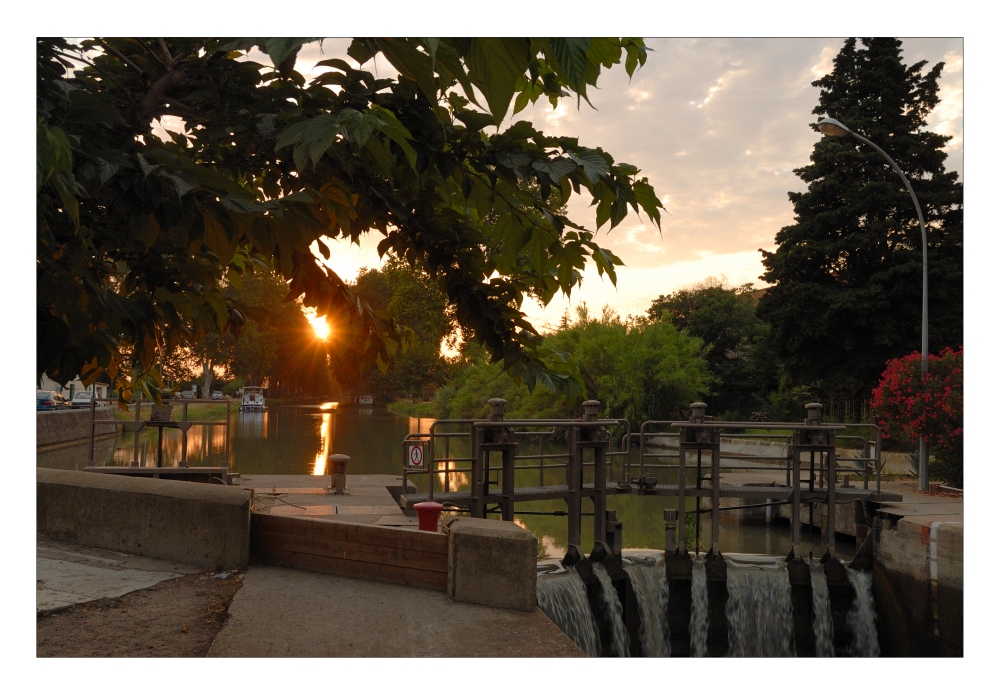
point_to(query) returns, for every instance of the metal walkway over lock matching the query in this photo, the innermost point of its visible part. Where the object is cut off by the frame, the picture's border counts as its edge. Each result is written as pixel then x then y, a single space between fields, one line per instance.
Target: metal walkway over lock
pixel 596 461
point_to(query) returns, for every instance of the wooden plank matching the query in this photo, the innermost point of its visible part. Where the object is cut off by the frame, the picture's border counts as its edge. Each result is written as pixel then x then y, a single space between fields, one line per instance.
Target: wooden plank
pixel 360 533
pixel 374 554
pixel 353 569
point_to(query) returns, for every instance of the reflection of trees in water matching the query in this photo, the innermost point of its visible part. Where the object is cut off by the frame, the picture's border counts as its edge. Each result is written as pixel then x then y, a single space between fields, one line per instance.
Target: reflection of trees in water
pixel 205 445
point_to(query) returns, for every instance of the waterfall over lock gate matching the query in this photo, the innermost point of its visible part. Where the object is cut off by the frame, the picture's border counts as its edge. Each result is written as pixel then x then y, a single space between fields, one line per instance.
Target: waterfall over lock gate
pixel 861 618
pixel 759 612
pixel 613 612
pixel 822 617
pixel 563 598
pixel 699 609
pixel 649 585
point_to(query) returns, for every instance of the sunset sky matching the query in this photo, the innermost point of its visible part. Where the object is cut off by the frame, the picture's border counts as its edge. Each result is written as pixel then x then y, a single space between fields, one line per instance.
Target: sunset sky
pixel 717 125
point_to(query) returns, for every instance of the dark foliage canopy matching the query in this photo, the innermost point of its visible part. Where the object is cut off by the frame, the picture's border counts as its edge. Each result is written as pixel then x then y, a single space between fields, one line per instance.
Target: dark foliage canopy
pixel 137 235
pixel 737 346
pixel 846 276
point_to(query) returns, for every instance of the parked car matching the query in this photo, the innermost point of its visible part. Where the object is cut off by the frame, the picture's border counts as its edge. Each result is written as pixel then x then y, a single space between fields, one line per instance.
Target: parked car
pixel 217 395
pixel 83 398
pixel 49 400
pixel 188 395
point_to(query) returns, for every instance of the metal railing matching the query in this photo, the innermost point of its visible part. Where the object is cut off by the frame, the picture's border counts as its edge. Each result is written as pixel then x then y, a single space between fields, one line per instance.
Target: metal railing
pixel 439 462
pixel 183 424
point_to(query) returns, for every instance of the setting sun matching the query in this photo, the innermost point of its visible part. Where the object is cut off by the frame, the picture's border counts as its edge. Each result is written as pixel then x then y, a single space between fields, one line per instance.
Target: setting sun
pixel 320 325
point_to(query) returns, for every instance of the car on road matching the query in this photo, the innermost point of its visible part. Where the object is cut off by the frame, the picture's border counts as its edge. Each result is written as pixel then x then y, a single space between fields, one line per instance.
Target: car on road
pixel 188 395
pixel 49 400
pixel 83 398
pixel 217 395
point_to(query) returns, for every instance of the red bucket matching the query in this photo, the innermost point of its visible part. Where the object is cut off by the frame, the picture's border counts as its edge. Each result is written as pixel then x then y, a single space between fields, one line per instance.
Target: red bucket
pixel 428 513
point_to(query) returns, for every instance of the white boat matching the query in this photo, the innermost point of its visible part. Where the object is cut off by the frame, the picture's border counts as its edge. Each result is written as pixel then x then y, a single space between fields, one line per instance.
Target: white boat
pixel 253 399
pixel 365 400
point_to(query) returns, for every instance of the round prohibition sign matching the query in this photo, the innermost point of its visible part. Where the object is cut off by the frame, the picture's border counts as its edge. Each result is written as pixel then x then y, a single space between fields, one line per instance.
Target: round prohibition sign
pixel 416 456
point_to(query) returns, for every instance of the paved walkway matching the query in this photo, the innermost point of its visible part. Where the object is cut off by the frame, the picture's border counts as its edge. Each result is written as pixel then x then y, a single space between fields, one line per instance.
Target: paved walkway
pixel 366 499
pixel 68 575
pixel 287 613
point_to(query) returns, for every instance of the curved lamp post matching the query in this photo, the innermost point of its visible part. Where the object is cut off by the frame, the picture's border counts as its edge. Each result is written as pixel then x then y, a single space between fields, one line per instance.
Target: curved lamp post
pixel 834 128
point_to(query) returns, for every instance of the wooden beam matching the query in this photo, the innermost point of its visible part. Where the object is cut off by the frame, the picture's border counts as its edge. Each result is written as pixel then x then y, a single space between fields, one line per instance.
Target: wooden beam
pixel 374 554
pixel 359 533
pixel 417 578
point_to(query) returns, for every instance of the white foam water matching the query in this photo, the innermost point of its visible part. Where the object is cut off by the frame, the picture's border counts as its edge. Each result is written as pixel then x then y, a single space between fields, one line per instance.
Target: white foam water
pixel 699 609
pixel 861 617
pixel 613 611
pixel 645 585
pixel 822 617
pixel 563 597
pixel 664 596
pixel 759 611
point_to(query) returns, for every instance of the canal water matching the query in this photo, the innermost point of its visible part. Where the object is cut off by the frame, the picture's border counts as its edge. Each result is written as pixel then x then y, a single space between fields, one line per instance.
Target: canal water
pixel 296 440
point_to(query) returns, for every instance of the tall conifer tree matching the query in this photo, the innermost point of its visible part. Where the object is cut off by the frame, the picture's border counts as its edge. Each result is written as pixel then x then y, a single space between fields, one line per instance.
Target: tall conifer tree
pixel 846 276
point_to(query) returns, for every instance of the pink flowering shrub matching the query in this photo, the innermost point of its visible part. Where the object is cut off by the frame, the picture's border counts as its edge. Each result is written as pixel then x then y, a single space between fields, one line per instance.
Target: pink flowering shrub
pixel 907 405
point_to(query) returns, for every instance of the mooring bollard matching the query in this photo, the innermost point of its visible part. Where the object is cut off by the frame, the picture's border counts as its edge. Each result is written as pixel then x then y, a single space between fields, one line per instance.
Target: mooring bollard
pixel 337 464
pixel 428 513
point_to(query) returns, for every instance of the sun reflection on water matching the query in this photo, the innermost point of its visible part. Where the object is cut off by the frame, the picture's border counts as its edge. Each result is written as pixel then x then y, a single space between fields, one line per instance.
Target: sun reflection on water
pixel 325 434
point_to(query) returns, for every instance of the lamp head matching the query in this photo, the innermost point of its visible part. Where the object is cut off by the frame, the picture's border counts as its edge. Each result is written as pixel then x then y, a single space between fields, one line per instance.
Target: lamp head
pixel 833 127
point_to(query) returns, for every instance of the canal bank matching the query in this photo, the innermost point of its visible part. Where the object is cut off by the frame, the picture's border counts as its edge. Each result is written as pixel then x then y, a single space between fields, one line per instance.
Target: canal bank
pixel 307 613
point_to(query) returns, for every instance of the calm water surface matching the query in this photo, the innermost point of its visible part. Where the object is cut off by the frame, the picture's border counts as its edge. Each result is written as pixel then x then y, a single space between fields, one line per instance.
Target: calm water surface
pixel 296 440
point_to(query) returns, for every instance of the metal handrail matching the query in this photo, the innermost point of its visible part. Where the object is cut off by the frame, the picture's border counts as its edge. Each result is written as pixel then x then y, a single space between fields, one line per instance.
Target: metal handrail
pixel 184 420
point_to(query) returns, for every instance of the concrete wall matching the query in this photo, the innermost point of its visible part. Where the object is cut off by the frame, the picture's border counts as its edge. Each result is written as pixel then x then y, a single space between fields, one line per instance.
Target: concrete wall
pixel 198 524
pixel 492 563
pixel 918 585
pixel 67 426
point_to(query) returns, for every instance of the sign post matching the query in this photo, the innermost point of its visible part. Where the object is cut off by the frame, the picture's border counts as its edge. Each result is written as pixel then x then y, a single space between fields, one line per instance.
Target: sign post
pixel 415 455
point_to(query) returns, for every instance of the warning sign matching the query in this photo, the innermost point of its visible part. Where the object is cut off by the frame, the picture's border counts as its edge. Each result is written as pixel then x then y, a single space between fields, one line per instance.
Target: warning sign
pixel 416 455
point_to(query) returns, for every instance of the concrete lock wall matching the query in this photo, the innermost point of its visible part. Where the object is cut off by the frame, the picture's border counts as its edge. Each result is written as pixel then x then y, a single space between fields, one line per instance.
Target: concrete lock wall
pixel 492 563
pixel 66 426
pixel 197 524
pixel 918 585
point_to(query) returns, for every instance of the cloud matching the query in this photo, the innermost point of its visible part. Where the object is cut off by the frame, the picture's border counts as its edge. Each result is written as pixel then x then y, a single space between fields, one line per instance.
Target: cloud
pixel 725 167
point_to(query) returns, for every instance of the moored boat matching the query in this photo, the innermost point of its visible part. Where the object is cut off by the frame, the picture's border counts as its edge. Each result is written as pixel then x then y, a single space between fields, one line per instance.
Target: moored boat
pixel 253 399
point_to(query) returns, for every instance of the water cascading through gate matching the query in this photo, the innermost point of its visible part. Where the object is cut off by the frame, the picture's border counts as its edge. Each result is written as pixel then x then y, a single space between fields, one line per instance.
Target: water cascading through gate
pixel 563 597
pixel 758 610
pixel 822 618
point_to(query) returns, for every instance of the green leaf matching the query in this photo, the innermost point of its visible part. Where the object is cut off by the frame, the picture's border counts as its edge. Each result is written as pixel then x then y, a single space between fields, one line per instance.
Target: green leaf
pixel 571 54
pixel 85 107
pixel 145 166
pixel 593 163
pixel 604 51
pixel 474 120
pixel 362 50
pixel 556 169
pixel 432 46
pixel 281 50
pixel 494 67
pixel 216 238
pixel 411 63
pixel 646 197
pixel 397 132
pixel 182 186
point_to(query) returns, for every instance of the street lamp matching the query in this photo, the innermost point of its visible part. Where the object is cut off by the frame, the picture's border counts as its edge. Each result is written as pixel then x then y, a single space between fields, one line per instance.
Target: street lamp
pixel 834 128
